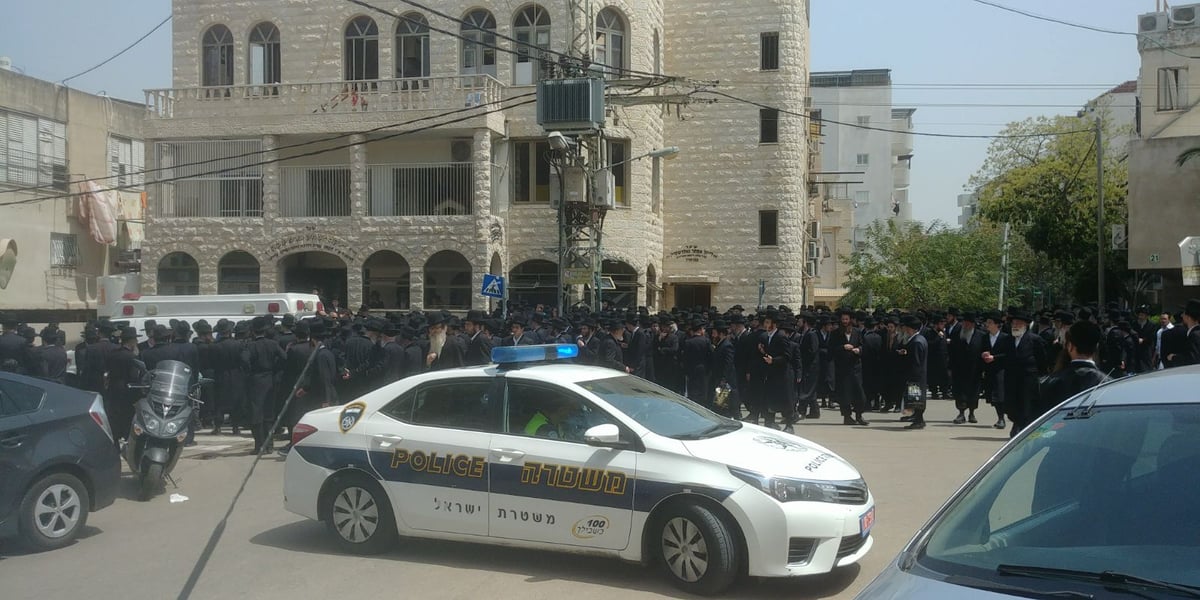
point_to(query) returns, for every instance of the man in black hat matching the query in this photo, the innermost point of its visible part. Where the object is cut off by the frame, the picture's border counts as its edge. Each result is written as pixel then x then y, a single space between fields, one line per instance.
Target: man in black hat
pixel 1144 332
pixel 148 328
pixel 157 350
pixel 204 345
pixel 12 345
pixel 938 376
pixel 479 345
pixel 296 356
pixel 262 359
pixel 722 370
pixel 998 346
pixel 697 354
pixel 1113 357
pixel 667 370
pixel 519 337
pixel 915 353
pixel 639 347
pixel 364 358
pixel 609 354
pixel 809 349
pixel 53 354
pixel 96 357
pixel 772 381
pixel 445 351
pixel 122 368
pixel 286 334
pixel 966 368
pixel 226 364
pixel 1023 368
pixel 183 350
pixel 846 346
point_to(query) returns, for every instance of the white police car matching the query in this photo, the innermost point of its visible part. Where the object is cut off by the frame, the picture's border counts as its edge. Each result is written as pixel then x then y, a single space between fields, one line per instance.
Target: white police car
pixel 579 459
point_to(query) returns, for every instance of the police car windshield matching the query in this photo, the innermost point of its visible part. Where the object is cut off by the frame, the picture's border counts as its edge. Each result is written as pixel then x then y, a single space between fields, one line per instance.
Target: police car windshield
pixel 658 409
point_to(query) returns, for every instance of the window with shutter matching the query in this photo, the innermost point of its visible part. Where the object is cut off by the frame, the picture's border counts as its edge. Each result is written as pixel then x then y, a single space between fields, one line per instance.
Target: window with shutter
pixel 64 250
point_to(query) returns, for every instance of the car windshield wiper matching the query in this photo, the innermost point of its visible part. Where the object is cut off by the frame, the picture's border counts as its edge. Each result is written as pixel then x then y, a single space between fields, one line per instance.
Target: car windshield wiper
pixel 713 431
pixel 1004 588
pixel 1105 578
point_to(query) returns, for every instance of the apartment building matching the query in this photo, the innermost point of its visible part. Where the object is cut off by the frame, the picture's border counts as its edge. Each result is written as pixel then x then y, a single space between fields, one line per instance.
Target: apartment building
pixel 52 137
pixel 393 157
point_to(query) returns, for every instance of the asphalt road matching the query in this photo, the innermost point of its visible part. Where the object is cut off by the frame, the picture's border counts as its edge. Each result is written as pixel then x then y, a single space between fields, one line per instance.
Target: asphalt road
pixel 134 550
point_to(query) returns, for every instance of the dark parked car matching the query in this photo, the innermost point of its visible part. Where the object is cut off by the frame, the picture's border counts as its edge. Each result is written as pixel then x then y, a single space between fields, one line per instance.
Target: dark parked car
pixel 1097 499
pixel 58 462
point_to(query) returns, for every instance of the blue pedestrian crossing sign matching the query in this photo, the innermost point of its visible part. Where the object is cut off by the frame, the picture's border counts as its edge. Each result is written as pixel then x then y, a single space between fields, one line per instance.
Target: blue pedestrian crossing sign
pixel 493 286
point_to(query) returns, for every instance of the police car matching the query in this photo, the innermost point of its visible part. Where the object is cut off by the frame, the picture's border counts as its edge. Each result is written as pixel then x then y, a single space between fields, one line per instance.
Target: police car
pixel 534 452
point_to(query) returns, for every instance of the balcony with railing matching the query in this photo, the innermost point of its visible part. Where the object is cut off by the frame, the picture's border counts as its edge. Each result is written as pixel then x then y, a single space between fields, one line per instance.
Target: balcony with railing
pixel 315 191
pixel 333 97
pixel 207 178
pixel 421 190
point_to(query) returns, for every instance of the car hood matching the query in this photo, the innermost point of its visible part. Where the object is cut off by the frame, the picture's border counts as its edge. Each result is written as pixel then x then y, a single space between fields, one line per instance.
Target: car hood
pixel 770 452
pixel 894 584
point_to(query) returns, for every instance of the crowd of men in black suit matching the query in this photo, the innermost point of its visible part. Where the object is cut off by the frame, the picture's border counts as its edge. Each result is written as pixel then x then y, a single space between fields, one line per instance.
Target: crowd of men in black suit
pixel 772 365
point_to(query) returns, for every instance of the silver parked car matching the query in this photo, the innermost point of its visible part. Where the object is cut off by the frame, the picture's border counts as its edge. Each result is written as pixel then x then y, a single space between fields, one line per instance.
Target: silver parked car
pixel 1100 498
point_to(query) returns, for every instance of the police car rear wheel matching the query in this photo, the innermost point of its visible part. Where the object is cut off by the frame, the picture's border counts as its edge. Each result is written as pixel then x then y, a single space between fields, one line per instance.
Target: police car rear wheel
pixel 360 517
pixel 698 552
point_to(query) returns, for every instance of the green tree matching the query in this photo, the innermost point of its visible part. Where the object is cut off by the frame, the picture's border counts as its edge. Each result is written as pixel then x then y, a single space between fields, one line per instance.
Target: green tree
pixel 912 266
pixel 1041 178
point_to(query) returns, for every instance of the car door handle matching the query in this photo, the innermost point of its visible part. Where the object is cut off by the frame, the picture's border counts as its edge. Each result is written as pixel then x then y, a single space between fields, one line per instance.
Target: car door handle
pixel 507 454
pixel 12 441
pixel 387 441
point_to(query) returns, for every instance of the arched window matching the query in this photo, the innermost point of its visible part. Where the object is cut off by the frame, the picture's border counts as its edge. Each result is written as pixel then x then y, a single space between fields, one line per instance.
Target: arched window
pixel 412 47
pixel 217 57
pixel 479 47
pixel 386 281
pixel 361 55
pixel 238 273
pixel 448 281
pixel 178 275
pixel 610 42
pixel 264 66
pixel 531 28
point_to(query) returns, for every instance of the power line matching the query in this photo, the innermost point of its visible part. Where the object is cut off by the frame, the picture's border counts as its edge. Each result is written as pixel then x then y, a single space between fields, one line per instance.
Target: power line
pixel 1032 15
pixel 115 56
pixel 472 26
pixel 282 158
pixel 886 130
pixel 258 152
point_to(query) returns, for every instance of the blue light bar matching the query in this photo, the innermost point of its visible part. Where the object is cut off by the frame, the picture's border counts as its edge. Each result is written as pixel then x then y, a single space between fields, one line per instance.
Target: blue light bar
pixel 522 354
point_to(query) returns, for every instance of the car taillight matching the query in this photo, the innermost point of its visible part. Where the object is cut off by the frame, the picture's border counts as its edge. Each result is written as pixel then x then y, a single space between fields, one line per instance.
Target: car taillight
pixel 299 306
pixel 273 307
pixel 320 307
pixel 301 431
pixel 99 416
pixel 127 310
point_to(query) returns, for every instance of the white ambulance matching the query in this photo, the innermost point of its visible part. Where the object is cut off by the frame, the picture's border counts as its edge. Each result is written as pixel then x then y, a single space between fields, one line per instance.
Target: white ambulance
pixel 136 310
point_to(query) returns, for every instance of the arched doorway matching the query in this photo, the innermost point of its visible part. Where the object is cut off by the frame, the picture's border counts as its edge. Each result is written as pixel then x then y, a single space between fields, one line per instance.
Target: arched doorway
pixel 324 273
pixel 238 273
pixel 447 282
pixel 625 280
pixel 534 282
pixel 178 275
pixel 386 281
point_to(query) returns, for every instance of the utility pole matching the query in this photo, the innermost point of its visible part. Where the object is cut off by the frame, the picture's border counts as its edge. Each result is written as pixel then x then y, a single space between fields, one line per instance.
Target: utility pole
pixel 1004 265
pixel 1100 212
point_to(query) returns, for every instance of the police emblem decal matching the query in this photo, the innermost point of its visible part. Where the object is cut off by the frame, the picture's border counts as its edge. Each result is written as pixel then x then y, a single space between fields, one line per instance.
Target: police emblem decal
pixel 350 415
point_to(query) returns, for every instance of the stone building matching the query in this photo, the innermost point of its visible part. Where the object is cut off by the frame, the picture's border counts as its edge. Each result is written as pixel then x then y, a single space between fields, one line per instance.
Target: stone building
pixel 389 159
pixel 50 137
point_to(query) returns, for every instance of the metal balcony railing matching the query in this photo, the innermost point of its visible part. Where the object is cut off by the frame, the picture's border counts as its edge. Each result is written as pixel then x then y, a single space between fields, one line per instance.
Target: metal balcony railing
pixel 421 189
pixel 379 95
pixel 318 191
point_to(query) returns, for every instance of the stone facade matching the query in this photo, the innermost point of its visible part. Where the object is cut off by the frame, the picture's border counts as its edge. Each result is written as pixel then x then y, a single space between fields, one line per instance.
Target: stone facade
pixel 684 200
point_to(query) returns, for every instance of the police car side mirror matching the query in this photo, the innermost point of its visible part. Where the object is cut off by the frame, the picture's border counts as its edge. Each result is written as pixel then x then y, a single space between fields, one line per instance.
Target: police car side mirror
pixel 606 435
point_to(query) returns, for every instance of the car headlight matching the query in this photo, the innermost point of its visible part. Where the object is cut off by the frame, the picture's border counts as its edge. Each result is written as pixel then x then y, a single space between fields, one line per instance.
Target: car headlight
pixel 790 490
pixel 172 426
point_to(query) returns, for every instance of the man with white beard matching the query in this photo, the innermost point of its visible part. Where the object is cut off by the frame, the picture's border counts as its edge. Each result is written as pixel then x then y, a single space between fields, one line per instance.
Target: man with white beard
pixel 445 351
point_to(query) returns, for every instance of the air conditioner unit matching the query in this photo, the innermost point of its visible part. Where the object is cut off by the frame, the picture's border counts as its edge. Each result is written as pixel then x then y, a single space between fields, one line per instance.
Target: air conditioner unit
pixel 814 251
pixel 1152 22
pixel 1184 16
pixel 814 230
pixel 810 269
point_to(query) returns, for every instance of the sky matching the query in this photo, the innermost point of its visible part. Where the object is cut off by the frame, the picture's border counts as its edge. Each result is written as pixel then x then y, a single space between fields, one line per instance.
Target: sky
pixel 939 52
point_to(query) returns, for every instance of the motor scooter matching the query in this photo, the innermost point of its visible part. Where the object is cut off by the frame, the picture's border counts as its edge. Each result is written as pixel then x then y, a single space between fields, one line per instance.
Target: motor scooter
pixel 160 424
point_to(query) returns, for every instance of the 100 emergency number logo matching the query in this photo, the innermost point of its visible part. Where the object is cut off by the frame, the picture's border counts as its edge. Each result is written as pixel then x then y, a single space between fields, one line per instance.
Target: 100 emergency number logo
pixel 590 527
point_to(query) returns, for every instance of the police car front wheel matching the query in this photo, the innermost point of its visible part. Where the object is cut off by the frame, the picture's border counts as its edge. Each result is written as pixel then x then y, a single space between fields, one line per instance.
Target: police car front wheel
pixel 697 550
pixel 360 516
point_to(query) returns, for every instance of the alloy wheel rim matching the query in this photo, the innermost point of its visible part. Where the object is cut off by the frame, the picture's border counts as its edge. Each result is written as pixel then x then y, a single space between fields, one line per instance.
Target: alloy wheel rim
pixel 355 515
pixel 684 549
pixel 57 511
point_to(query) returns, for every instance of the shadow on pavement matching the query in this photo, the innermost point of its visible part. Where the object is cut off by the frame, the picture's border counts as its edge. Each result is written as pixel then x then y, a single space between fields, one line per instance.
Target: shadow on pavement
pixel 981 439
pixel 12 547
pixel 542 566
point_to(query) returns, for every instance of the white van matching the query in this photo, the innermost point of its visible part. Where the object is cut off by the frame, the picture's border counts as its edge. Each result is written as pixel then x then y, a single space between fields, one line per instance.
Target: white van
pixel 136 310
